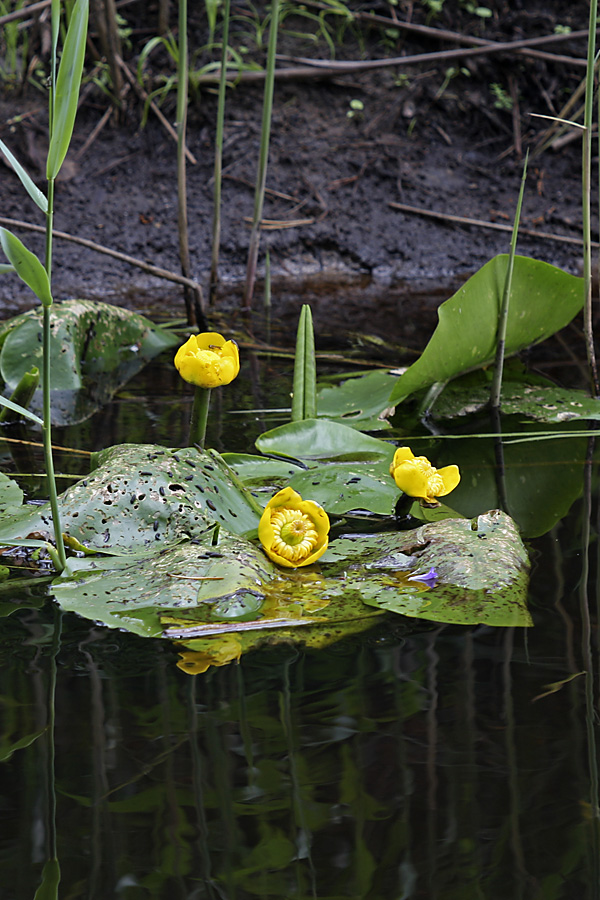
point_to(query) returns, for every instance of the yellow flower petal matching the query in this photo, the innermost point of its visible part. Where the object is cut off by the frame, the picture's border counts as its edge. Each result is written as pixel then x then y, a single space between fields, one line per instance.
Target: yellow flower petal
pixel 416 477
pixel 411 480
pixel 294 532
pixel 208 360
pixel 450 476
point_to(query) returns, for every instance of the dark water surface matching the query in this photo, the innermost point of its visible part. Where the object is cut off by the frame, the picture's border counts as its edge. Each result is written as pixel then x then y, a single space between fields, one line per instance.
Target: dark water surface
pixel 414 761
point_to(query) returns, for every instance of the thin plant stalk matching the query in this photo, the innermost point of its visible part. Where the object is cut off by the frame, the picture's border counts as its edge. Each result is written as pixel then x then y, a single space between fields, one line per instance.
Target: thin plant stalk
pixel 586 200
pixel 261 178
pixel 504 309
pixel 46 387
pixel 193 299
pixel 47 439
pixel 218 173
pixel 199 416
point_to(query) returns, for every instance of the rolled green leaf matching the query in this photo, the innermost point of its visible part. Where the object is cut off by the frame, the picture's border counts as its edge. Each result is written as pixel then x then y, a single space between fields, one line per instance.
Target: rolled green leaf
pixel 304 400
pixel 34 192
pixel 68 82
pixel 27 266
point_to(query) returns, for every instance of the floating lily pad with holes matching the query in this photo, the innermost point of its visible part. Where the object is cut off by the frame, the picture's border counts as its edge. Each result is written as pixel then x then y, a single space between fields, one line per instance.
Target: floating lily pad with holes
pixel 141 495
pixel 548 404
pixel 94 349
pixel 260 473
pixel 341 488
pixel 224 584
pixel 482 574
pixel 360 401
pixel 224 580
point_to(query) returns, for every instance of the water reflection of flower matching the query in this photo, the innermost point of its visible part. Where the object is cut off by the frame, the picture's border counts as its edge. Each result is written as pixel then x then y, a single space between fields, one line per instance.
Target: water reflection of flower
pixel 208 360
pixel 217 651
pixel 294 532
pixel 415 476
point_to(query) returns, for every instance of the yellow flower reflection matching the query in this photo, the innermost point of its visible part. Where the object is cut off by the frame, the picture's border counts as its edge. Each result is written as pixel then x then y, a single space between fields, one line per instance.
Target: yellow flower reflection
pixel 415 476
pixel 294 532
pixel 208 360
pixel 218 651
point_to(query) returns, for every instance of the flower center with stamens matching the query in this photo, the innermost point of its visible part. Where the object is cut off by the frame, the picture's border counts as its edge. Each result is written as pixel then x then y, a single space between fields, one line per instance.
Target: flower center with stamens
pixel 435 485
pixel 423 465
pixel 295 536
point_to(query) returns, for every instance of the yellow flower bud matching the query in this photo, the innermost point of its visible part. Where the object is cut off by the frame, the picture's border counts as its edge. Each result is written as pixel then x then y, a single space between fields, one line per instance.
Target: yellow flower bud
pixel 294 532
pixel 415 476
pixel 208 360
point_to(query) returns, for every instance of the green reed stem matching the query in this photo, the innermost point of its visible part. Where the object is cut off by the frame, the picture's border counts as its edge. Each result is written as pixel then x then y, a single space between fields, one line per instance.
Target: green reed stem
pixel 503 317
pixel 199 416
pixel 193 300
pixel 47 439
pixel 261 178
pixel 218 173
pixel 46 389
pixel 586 200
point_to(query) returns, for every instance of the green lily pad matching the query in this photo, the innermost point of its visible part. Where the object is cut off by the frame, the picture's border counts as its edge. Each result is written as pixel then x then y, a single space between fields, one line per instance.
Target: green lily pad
pixel 140 495
pixel 132 591
pixel 341 488
pixel 360 401
pixel 481 564
pixel 11 495
pixel 94 349
pixel 548 404
pixel 319 439
pixel 260 473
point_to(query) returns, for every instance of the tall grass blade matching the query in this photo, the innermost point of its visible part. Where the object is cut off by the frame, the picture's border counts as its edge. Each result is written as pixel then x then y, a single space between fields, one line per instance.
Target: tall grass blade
pixel 586 200
pixel 66 94
pixel 19 410
pixel 216 234
pixel 54 32
pixel 503 317
pixel 261 178
pixel 34 192
pixel 193 299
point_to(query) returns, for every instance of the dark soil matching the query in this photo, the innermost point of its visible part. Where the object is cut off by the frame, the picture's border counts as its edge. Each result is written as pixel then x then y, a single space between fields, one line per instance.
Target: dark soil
pixel 449 150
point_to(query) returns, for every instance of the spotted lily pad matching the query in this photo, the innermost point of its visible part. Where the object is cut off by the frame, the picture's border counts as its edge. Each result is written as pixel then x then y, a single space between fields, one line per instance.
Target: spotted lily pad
pixel 482 573
pixel 542 403
pixel 141 495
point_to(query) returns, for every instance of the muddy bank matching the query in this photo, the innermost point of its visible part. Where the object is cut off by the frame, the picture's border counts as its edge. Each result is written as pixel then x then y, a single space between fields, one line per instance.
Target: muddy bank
pixel 331 181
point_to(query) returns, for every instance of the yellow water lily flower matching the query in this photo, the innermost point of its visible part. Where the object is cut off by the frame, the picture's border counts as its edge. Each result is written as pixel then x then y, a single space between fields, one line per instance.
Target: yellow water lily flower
pixel 415 476
pixel 294 532
pixel 208 360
